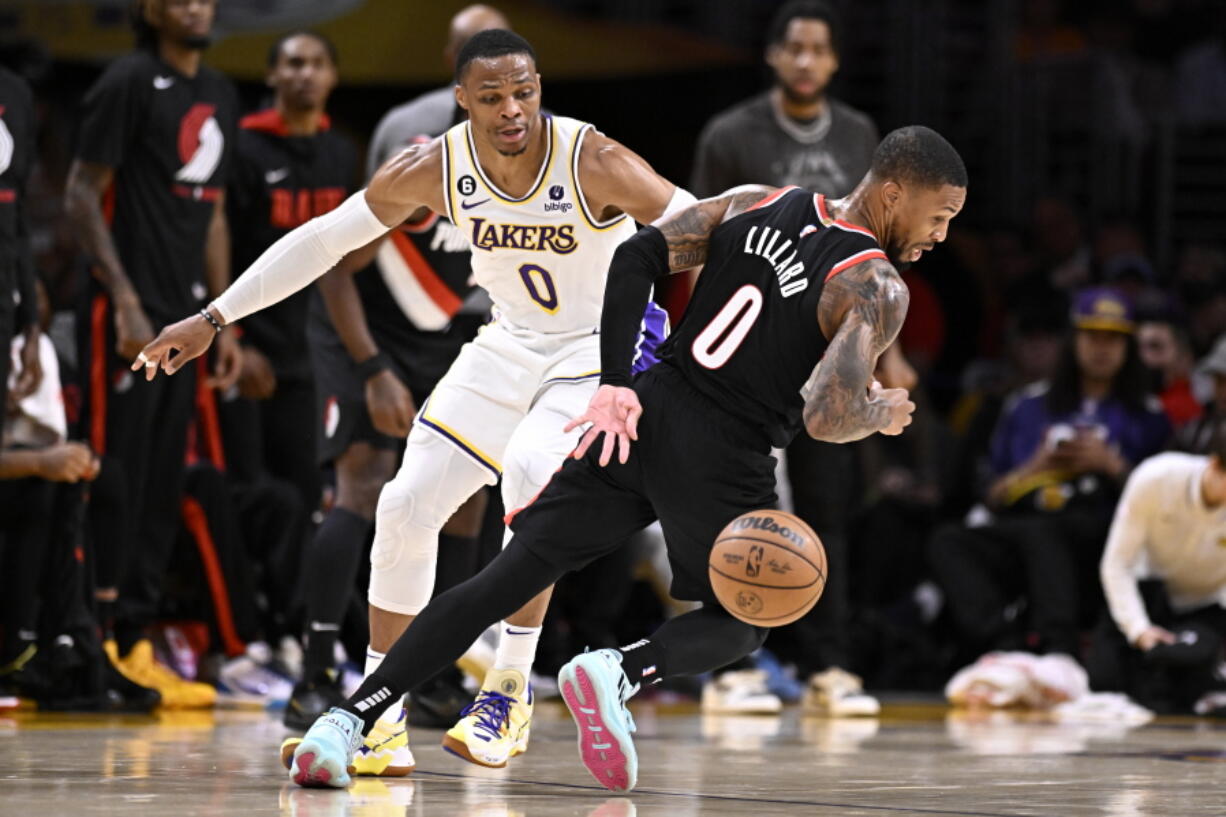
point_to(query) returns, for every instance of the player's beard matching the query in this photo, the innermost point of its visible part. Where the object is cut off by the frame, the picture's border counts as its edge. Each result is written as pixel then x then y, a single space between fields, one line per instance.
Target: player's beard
pixel 519 152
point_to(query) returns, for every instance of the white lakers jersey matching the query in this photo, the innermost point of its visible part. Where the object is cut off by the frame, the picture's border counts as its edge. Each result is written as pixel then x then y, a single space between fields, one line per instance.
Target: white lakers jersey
pixel 543 257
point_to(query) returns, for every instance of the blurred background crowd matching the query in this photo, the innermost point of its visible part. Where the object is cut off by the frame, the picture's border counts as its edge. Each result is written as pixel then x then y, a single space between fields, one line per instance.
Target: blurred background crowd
pixel 1064 335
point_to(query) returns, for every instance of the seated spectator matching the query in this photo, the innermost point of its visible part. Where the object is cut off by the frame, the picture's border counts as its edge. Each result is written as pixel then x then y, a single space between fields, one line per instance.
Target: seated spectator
pixel 1060 451
pixel 1162 644
pixel 1195 437
pixel 1166 350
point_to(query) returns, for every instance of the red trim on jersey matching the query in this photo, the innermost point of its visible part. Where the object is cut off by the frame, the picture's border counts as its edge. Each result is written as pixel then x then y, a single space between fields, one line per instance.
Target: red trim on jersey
pixel 210 427
pixel 270 121
pixel 197 524
pixel 443 297
pixel 97 374
pixel 819 201
pixel 509 518
pixel 197 192
pixel 8 196
pixel 772 197
pixel 858 258
pixel 108 204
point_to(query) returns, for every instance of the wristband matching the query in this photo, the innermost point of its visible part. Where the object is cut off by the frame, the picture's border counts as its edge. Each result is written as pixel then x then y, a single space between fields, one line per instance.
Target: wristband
pixel 374 364
pixel 205 314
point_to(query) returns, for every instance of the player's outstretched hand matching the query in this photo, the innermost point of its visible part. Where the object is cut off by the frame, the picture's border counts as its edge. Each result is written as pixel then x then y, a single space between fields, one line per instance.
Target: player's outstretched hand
pixel 190 338
pixel 899 403
pixel 613 412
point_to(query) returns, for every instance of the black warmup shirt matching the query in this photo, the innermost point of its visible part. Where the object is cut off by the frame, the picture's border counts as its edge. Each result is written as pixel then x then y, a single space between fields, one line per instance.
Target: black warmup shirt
pixel 16 158
pixel 169 139
pixel 750 339
pixel 279 182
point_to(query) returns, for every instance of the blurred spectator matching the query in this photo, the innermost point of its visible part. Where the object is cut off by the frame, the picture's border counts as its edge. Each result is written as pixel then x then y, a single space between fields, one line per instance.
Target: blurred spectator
pixel 1044 33
pixel 1166 350
pixel 1162 644
pixel 1060 451
pixel 1196 435
pixel 155 137
pixel 1062 251
pixel 1200 80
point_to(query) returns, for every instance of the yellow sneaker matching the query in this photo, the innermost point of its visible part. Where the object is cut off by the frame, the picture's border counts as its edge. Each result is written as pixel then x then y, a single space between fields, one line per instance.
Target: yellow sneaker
pixel 494 728
pixel 140 667
pixel 386 753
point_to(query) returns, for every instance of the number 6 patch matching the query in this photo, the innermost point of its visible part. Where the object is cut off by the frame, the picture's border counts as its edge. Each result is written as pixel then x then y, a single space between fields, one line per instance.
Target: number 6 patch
pixel 467 185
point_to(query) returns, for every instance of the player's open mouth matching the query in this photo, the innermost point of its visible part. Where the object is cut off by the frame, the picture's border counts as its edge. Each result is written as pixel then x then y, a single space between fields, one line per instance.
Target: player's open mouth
pixel 512 134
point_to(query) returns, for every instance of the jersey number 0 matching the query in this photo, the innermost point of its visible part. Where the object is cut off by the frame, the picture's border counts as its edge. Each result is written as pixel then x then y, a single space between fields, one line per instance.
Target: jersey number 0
pixel 727 330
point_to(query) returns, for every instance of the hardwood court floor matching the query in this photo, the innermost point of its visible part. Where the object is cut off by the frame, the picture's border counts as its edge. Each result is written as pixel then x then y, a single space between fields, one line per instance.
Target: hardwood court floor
pixel 915 760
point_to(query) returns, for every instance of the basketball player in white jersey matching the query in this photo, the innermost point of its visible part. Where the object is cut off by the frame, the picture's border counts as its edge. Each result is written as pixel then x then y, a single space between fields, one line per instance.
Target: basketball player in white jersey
pixel 544 202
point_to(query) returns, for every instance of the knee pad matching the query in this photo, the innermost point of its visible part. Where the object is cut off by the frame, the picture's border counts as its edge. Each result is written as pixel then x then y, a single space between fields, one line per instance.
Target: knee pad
pixel 434 480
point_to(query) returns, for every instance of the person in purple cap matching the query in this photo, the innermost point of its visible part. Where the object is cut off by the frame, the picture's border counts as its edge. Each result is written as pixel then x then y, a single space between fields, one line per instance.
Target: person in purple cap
pixel 1059 457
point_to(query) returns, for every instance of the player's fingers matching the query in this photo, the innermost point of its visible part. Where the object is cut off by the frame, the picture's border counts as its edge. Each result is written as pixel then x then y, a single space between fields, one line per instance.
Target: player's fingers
pixel 575 423
pixel 632 422
pixel 623 448
pixel 584 443
pixel 606 448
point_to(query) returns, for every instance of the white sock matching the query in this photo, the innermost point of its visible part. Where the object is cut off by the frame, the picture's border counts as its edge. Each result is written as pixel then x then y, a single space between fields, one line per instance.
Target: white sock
pixel 373 660
pixel 516 648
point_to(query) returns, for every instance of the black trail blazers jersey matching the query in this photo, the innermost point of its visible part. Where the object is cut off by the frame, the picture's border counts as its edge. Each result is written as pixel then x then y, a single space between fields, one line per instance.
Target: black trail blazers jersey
pixel 16 159
pixel 280 182
pixel 750 338
pixel 169 138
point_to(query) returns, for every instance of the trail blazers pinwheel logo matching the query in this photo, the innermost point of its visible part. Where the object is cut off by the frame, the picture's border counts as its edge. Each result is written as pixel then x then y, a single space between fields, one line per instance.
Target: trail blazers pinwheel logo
pixel 201 144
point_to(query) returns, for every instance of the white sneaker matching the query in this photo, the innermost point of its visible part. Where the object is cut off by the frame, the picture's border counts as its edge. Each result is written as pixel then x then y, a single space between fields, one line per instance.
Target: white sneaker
pixel 838 694
pixel 740 692
pixel 245 677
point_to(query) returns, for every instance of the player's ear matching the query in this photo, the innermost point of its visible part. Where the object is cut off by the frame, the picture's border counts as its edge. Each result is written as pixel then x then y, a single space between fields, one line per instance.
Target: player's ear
pixel 461 96
pixel 772 55
pixel 891 194
pixel 151 10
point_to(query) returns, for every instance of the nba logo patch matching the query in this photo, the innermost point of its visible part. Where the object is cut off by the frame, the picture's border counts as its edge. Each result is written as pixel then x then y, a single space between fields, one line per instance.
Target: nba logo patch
pixel 556 192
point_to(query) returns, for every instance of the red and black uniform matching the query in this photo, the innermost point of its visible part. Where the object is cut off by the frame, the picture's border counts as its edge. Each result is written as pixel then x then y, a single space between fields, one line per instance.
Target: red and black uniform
pixel 280 182
pixel 418 298
pixel 168 138
pixel 18 304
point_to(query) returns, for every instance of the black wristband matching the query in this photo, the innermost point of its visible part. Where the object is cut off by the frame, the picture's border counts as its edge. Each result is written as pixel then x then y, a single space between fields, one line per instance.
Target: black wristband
pixel 204 313
pixel 374 364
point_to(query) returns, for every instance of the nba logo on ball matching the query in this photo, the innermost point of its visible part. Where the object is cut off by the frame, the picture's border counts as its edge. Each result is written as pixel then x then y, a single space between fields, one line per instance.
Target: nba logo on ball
pixel 767 568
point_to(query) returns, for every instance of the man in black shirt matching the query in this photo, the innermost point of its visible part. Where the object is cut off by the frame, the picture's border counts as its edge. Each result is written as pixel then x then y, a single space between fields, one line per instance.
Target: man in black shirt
pixel 289 166
pixel 154 141
pixel 18 304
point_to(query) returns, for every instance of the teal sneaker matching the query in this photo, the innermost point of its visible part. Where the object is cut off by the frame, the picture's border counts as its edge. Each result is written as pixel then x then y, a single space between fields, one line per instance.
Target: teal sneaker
pixel 324 756
pixel 596 689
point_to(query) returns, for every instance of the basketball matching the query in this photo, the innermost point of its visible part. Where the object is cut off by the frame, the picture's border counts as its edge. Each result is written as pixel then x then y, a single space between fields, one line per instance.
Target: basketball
pixel 768 568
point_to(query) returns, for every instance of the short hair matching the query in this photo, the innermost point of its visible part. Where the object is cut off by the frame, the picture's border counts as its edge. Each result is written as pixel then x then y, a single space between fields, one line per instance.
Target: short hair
pixel 918 155
pixel 274 51
pixel 488 44
pixel 777 31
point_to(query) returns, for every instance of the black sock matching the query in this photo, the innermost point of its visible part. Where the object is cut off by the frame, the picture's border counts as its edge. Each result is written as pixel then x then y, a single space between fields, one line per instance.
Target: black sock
pixel 371 699
pixel 643 662
pixel 331 564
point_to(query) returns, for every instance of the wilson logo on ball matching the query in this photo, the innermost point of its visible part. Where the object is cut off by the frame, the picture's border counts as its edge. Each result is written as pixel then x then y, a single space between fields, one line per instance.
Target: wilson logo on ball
pixel 769 525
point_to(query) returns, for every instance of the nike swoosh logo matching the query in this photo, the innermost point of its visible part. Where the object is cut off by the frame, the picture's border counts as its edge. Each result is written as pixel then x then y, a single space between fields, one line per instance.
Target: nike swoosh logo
pixel 517 632
pixel 468 206
pixel 162 83
pixel 274 176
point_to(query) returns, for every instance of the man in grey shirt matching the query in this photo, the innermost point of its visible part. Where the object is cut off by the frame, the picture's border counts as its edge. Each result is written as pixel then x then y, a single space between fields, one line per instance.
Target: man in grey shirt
pixel 793 133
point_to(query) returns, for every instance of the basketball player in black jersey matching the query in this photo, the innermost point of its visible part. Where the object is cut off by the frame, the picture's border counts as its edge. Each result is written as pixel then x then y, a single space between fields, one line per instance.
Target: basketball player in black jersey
pixel 789 280
pixel 145 194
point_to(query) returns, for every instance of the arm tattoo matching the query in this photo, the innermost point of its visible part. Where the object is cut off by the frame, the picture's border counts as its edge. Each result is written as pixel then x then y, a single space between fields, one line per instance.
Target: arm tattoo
pixel 867 304
pixel 688 231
